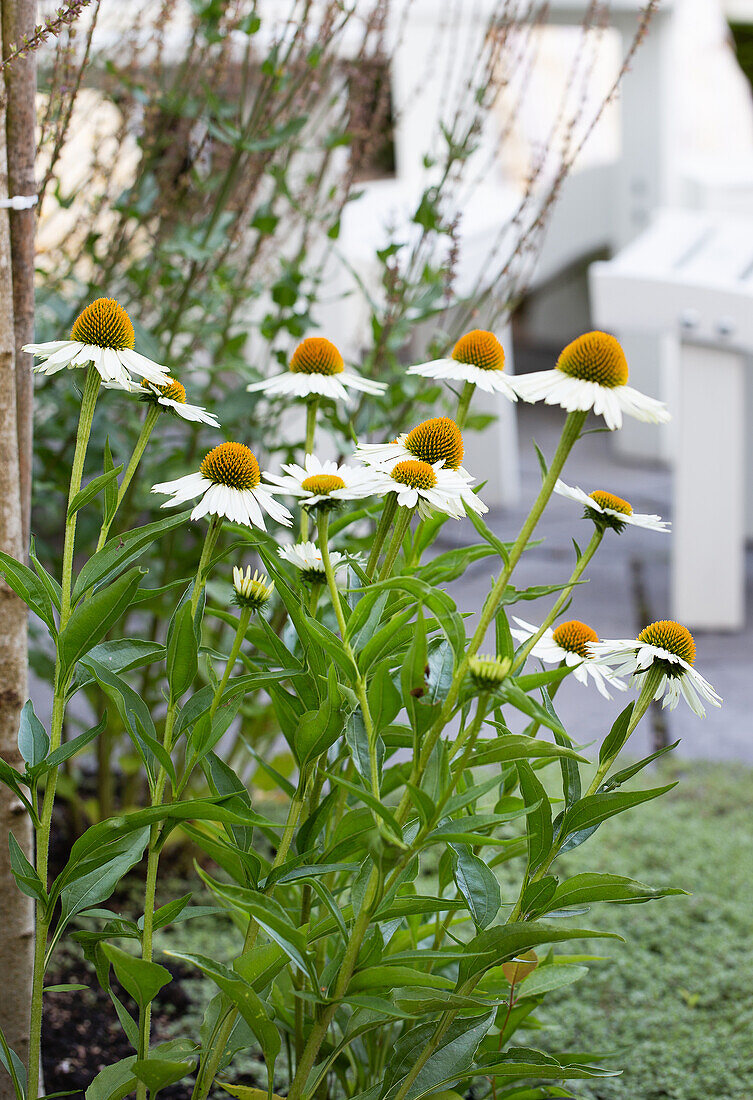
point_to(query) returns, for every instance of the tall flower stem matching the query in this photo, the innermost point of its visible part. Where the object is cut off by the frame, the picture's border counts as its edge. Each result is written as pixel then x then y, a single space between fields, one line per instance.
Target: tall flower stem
pixel 147 428
pixel 158 794
pixel 312 407
pixel 42 923
pixel 563 597
pixel 240 634
pixel 383 527
pixel 360 683
pixel 216 1047
pixel 652 679
pixel 464 402
pixel 570 435
pixel 401 526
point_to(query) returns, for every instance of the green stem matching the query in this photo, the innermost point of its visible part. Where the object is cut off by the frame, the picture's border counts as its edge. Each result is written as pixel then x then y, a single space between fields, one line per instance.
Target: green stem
pixel 318 1033
pixel 562 599
pixel 147 428
pixel 651 682
pixel 401 526
pixel 42 924
pixel 383 527
pixel 348 965
pixel 240 634
pixel 158 794
pixel 360 683
pixel 463 404
pixel 312 407
pixel 570 434
pixel 88 404
pixel 208 1069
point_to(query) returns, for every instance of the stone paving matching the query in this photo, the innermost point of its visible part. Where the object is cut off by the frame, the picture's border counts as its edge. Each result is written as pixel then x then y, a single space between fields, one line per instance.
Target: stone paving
pixel 628 587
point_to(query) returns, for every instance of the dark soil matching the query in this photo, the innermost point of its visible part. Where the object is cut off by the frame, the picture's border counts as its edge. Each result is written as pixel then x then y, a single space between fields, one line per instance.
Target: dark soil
pixel 82 1033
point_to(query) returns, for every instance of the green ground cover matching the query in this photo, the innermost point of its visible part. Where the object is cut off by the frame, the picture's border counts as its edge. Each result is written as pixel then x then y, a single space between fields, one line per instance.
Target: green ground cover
pixel 675 1002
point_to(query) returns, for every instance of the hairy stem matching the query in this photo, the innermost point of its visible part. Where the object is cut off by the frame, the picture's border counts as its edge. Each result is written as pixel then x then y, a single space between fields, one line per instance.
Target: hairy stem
pixel 42 922
pixel 146 430
pixel 464 402
pixel 563 597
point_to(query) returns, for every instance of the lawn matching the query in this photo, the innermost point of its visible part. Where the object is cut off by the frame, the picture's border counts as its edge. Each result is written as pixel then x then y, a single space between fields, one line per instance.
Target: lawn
pixel 676 1001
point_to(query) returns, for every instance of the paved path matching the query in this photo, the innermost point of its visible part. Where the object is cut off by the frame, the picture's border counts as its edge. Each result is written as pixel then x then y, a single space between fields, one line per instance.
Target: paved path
pixel 628 587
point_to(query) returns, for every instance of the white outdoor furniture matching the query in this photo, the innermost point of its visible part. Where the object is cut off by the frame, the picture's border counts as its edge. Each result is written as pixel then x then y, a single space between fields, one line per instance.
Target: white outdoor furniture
pixel 600 207
pixel 689 280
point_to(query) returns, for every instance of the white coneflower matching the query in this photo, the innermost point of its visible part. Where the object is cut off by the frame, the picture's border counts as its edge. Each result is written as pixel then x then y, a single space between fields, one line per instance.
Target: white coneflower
pixel 435 440
pixel 488 673
pixel 306 557
pixel 103 335
pixel 609 510
pixel 670 647
pixel 229 482
pixel 478 358
pixel 317 369
pixel 324 484
pixel 592 373
pixel 430 487
pixel 173 398
pixel 572 642
pixel 253 592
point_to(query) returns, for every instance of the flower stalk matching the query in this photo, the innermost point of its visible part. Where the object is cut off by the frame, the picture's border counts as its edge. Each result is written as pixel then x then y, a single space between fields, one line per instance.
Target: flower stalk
pixel 42 922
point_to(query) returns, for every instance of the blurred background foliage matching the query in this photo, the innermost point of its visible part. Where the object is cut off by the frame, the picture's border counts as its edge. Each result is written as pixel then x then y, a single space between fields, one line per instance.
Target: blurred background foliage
pixel 195 163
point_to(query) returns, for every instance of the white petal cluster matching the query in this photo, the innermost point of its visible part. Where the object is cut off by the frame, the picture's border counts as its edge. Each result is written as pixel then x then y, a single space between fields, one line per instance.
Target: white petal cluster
pixel 584 668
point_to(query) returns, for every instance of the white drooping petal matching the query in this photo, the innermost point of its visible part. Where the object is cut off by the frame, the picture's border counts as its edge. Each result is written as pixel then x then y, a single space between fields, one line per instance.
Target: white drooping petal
pixel 332 386
pixel 491 381
pixel 554 387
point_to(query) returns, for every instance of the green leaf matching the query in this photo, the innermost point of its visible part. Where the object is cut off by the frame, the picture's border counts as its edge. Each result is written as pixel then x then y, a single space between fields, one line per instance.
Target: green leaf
pixel 27 585
pixel 477 884
pixel 537 895
pixel 510 691
pixel 497 945
pixel 14 1067
pixel 367 797
pixel 546 978
pixel 91 490
pixel 142 979
pixel 182 649
pixel 520 1063
pixel 27 879
pixel 93 880
pixel 120 655
pixel 91 620
pixel 13 780
pixel 70 748
pixel 318 730
pixel 517 746
pixel 33 742
pixel 115 1082
pixel 120 551
pixel 136 718
pixel 582 819
pixel 590 886
pixel 621 777
pixel 451 1058
pixel 251 1007
pixel 158 1073
pixel 49 582
pixel 384 698
pixel 539 830
pixel 617 736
